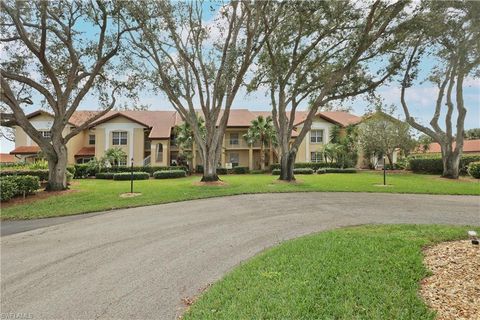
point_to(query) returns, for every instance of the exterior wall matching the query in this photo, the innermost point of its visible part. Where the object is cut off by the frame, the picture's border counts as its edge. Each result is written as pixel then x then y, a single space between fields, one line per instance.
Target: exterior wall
pixel 75 144
pixel 134 146
pixel 306 147
pixel 242 157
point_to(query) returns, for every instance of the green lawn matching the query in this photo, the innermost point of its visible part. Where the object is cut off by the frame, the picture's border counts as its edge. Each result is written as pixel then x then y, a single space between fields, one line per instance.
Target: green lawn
pixel 97 195
pixel 368 272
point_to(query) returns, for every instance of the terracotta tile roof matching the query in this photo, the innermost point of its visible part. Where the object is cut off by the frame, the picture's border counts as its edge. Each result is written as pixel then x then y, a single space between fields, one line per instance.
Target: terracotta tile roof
pixel 26 150
pixel 80 117
pixel 340 117
pixel 7 158
pixel 468 146
pixel 85 151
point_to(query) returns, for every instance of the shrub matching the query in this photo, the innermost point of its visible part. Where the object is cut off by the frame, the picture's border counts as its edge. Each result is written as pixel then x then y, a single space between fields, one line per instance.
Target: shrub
pixel 340 170
pixel 434 164
pixel 69 176
pixel 222 171
pixel 26 184
pixel 148 169
pixel 321 171
pixel 41 174
pixel 474 169
pixel 8 189
pixel 169 174
pixel 72 170
pixel 258 171
pixel 241 170
pixel 303 171
pixel 84 170
pixel 128 176
pixel 312 165
pixel 276 172
pixel 104 175
pixel 199 168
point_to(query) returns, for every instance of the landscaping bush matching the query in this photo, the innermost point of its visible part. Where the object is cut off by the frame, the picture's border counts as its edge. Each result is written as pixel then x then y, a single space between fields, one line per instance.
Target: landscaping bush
pixel 303 171
pixel 8 189
pixel 276 172
pixel 72 170
pixel 222 171
pixel 18 185
pixel 312 165
pixel 148 169
pixel 26 184
pixel 340 170
pixel 258 171
pixel 321 171
pixel 69 177
pixel 104 175
pixel 240 170
pixel 434 164
pixel 199 168
pixel 84 170
pixel 474 169
pixel 128 176
pixel 41 174
pixel 169 174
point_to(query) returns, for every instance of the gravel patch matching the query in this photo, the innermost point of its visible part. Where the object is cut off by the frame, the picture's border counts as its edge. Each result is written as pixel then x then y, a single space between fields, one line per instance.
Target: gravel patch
pixel 453 290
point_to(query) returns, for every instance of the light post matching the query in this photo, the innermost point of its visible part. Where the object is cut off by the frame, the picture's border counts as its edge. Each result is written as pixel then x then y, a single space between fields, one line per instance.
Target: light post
pixel 384 171
pixel 131 177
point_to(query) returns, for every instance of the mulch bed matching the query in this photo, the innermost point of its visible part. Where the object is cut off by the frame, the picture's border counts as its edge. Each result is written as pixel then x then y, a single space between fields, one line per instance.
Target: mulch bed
pixel 453 290
pixel 35 197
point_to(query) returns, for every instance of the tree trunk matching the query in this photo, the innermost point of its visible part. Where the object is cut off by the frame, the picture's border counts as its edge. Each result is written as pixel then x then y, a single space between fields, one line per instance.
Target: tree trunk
pixel 451 163
pixel 262 157
pixel 210 168
pixel 287 163
pixel 390 159
pixel 57 168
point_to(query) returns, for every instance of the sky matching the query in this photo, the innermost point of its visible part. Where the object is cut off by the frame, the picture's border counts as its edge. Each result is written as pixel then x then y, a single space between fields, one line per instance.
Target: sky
pixel 420 97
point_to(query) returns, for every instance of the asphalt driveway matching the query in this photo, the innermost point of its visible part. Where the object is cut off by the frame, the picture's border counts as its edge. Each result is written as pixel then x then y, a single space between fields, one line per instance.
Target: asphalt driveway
pixel 139 263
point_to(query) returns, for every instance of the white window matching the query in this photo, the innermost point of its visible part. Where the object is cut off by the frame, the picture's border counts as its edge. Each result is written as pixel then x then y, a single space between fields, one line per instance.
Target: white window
pixel 123 162
pixel 46 133
pixel 119 138
pixel 316 157
pixel 91 139
pixel 316 136
pixel 159 152
pixel 234 138
pixel 234 159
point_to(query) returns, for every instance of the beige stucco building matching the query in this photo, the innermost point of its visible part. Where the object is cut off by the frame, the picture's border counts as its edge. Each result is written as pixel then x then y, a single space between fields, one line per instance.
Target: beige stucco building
pixel 148 137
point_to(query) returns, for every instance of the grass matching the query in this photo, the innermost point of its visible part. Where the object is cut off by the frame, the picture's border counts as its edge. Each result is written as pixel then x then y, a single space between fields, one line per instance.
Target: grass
pixel 368 272
pixel 97 195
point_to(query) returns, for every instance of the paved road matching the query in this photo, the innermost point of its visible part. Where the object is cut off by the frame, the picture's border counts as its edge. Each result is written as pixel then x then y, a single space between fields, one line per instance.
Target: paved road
pixel 138 263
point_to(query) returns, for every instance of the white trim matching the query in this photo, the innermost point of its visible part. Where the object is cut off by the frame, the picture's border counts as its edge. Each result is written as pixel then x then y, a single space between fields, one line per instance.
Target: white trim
pixel 117 126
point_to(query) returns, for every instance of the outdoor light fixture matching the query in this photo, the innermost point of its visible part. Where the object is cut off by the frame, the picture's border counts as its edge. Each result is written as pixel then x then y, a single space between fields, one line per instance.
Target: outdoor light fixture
pixel 131 178
pixel 473 236
pixel 384 171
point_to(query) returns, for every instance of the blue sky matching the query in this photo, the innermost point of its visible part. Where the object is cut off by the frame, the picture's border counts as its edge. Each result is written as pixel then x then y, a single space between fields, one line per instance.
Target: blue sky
pixel 421 99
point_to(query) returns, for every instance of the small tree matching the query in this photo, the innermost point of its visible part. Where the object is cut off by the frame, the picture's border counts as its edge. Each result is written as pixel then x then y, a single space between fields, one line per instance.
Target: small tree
pixel 47 56
pixel 450 32
pixel 381 134
pixel 261 130
pixel 114 156
pixel 185 138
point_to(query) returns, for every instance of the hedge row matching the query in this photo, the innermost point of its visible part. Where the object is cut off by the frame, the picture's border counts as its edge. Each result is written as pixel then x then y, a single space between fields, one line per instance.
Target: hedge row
pixel 336 170
pixel 18 185
pixel 312 165
pixel 169 174
pixel 435 165
pixel 220 170
pixel 276 172
pixel 42 174
pixel 474 169
pixel 104 175
pixel 85 170
pixel 129 175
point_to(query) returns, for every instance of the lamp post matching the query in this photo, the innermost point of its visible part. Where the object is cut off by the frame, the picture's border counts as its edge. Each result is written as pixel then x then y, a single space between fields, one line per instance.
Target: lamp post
pixel 131 177
pixel 384 171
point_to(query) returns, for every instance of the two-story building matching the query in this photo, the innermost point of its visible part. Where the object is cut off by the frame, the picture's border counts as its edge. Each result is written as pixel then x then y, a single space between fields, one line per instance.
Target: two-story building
pixel 148 137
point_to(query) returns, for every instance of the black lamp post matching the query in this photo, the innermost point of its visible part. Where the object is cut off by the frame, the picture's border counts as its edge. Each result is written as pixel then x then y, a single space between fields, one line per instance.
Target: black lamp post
pixel 384 171
pixel 131 178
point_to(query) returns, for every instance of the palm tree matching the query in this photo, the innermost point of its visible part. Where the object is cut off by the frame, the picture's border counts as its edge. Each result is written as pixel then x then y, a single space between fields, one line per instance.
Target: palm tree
pixel 261 130
pixel 115 156
pixel 185 138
